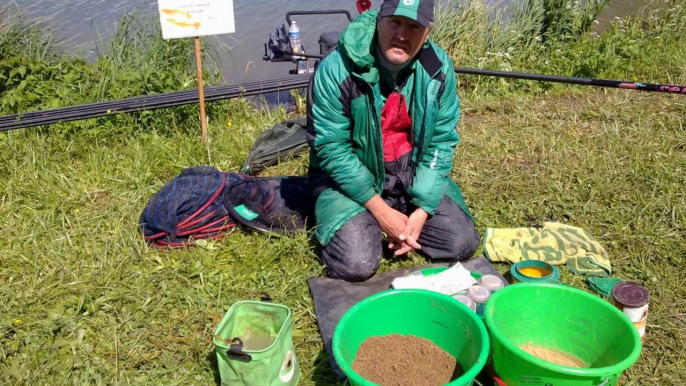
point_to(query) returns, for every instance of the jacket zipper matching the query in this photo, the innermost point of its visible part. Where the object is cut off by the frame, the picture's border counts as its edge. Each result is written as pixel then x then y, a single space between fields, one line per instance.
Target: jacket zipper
pixel 412 163
pixel 398 114
pixel 400 98
pixel 379 142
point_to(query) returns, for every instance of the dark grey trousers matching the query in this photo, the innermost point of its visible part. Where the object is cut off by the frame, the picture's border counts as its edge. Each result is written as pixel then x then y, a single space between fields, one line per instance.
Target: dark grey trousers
pixel 354 253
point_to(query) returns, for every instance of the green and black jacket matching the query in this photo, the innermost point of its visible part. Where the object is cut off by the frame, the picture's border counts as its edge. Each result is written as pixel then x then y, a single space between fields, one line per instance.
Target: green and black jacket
pixel 344 128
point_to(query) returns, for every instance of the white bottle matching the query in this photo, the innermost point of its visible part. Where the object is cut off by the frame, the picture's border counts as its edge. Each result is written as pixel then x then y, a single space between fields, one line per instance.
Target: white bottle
pixel 294 37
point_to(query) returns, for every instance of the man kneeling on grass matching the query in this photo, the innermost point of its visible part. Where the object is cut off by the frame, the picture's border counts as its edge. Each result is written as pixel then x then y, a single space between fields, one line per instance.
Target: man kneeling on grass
pixel 382 116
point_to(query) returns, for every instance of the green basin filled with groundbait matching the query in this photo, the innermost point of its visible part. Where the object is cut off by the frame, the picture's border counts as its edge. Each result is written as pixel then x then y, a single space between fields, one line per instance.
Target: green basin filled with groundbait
pixel 553 334
pixel 420 337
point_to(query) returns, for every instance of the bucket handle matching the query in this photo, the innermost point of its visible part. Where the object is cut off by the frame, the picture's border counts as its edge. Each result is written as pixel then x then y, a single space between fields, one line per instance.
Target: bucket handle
pixel 262 295
pixel 236 351
pixel 605 382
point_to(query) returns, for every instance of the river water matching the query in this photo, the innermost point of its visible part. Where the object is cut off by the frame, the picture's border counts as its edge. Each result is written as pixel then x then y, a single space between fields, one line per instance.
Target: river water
pixel 81 23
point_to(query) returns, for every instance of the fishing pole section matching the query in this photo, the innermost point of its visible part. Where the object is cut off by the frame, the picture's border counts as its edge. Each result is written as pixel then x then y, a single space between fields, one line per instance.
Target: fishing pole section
pixel 179 98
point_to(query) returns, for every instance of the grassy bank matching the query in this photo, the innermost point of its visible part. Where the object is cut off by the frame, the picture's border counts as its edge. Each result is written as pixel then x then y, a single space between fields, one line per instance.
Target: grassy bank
pixel 83 300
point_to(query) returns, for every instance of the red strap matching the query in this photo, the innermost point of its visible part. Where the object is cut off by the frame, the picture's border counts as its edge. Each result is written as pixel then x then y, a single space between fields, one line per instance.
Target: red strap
pixel 364 5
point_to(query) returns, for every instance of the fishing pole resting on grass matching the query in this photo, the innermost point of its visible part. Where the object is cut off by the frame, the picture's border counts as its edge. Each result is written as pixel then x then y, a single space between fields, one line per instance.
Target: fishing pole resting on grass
pixel 179 98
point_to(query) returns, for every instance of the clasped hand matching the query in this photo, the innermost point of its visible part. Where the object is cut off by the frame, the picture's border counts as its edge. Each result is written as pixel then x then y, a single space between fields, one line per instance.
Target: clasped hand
pixel 403 231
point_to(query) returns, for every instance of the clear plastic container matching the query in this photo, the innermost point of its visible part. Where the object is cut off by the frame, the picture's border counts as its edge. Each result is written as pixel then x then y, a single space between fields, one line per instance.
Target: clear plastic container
pixel 467 301
pixel 480 296
pixel 491 282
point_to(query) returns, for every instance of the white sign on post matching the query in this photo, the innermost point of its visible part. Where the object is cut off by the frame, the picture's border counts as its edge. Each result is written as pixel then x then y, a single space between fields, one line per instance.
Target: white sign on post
pixel 193 18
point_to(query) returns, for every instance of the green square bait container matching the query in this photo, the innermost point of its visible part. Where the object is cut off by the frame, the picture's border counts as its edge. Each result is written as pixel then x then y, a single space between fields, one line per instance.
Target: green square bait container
pixel 565 320
pixel 254 346
pixel 440 318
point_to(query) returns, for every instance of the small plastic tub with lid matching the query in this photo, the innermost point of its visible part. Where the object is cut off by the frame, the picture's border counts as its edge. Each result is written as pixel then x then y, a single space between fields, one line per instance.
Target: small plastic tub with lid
pixel 480 296
pixel 467 301
pixel 491 282
pixel 534 271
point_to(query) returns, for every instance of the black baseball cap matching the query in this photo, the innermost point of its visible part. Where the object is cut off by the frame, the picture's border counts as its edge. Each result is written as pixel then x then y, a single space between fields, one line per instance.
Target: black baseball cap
pixel 421 11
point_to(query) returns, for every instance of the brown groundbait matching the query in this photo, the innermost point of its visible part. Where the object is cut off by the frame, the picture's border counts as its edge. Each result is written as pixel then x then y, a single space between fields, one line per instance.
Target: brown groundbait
pixel 398 360
pixel 553 356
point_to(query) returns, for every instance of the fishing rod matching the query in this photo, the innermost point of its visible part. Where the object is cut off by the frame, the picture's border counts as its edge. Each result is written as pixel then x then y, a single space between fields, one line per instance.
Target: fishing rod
pixel 640 86
pixel 178 98
pixel 151 102
pixel 666 88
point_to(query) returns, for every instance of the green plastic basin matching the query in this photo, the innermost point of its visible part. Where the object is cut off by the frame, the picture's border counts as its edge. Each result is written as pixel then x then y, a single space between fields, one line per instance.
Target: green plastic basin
pixel 436 270
pixel 565 320
pixel 426 314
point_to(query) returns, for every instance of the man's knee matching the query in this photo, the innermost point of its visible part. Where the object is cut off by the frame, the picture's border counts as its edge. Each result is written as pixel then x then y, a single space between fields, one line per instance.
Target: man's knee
pixel 450 233
pixel 454 244
pixel 355 269
pixel 354 253
pixel 464 243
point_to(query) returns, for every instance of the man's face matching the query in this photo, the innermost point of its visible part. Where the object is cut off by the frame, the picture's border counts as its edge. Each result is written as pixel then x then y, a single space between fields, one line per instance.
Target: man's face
pixel 400 38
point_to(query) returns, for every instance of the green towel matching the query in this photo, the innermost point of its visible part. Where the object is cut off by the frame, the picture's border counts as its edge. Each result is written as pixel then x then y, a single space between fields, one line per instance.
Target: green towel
pixel 603 286
pixel 555 244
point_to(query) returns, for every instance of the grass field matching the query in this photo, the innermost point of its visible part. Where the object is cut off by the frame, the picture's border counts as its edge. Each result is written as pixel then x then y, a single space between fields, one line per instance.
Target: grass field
pixel 83 300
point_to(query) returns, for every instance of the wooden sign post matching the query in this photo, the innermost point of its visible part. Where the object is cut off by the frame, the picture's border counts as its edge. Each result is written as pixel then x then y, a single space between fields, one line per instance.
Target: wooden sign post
pixel 201 91
pixel 193 19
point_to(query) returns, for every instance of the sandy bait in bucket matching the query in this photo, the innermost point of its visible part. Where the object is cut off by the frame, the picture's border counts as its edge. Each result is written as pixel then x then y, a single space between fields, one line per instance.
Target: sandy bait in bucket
pixel 565 320
pixel 557 357
pixel 397 359
pixel 425 314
